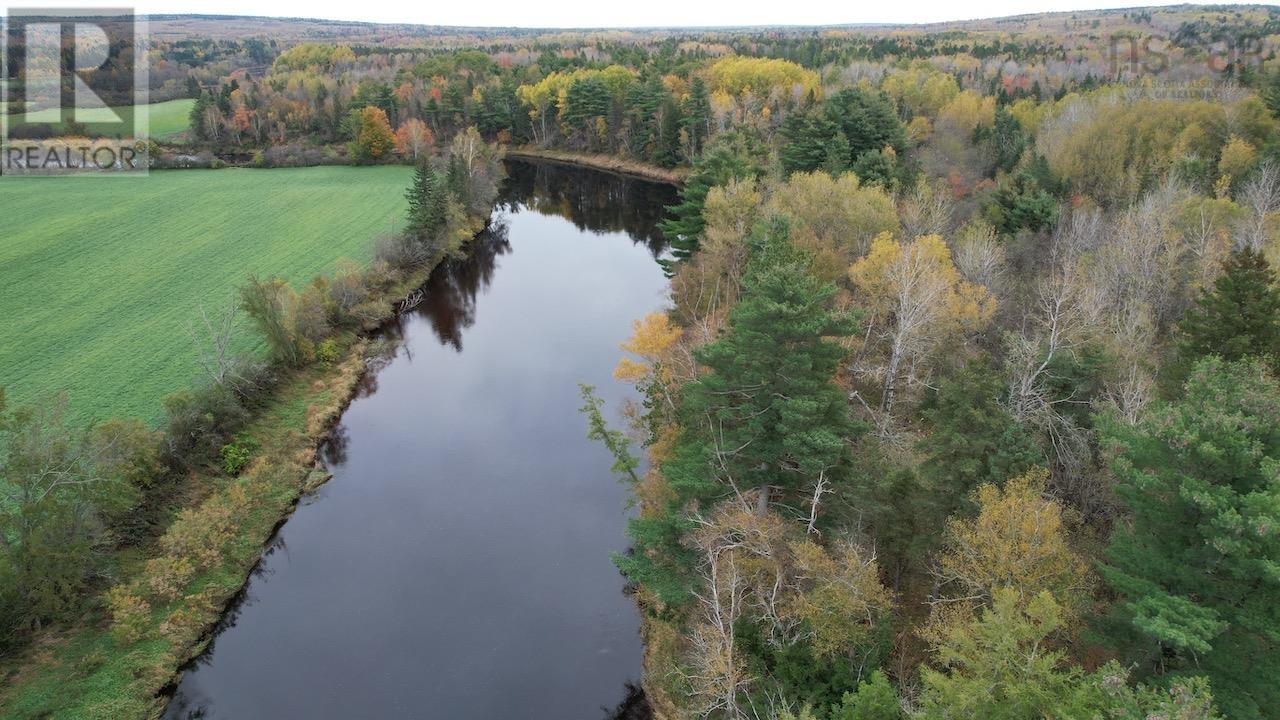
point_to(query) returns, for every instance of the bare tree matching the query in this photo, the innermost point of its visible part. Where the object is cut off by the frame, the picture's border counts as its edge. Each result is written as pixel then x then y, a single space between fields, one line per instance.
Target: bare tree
pixel 212 339
pixel 926 210
pixel 1260 196
pixel 1064 312
pixel 980 257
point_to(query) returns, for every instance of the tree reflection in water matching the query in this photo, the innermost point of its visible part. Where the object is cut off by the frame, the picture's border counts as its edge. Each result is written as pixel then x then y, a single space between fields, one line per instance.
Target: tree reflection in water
pixel 592 200
pixel 633 707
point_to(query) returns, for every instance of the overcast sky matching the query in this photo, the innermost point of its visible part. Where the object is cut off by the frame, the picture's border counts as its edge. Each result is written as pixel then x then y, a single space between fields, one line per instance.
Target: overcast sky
pixel 608 13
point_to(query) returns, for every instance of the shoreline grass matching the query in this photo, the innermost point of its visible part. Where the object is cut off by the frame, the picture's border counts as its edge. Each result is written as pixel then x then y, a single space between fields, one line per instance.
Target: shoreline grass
pixel 606 163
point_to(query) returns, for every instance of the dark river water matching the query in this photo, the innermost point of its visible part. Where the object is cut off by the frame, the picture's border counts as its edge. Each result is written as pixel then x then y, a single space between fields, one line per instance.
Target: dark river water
pixel 458 564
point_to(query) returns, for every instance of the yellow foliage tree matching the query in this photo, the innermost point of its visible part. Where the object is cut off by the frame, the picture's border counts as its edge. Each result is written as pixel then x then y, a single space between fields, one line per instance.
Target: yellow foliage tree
pixel 1018 542
pixel 840 597
pixel 709 284
pixel 760 76
pixel 375 139
pixel 651 338
pixel 969 111
pixel 662 366
pixel 920 90
pixel 1237 157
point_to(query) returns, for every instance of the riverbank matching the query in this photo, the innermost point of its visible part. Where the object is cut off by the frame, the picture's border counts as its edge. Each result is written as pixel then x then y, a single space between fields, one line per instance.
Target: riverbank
pixel 118 662
pixel 607 163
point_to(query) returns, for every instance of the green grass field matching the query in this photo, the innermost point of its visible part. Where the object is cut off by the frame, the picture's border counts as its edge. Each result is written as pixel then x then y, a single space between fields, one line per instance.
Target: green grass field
pixel 166 119
pixel 101 275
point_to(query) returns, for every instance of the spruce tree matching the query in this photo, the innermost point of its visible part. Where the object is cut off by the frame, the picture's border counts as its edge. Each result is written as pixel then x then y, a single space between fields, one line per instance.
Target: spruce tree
pixel 667 150
pixel 1239 317
pixel 697 115
pixel 808 138
pixel 643 100
pixel 974 440
pixel 427 198
pixel 836 162
pixel 867 119
pixel 195 119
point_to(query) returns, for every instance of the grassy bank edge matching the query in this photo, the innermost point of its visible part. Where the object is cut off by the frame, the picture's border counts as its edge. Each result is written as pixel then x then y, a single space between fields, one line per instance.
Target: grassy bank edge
pixel 85 672
pixel 607 163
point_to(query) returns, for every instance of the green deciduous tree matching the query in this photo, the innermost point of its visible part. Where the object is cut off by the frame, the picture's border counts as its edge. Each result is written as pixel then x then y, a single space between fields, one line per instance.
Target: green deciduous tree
pixel 54 504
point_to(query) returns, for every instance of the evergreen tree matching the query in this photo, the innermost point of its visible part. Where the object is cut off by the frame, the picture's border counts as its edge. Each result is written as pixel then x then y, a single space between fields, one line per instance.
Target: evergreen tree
pixel 643 100
pixel 667 151
pixel 837 160
pixel 868 121
pixel 736 155
pixel 1020 201
pixel 586 101
pixel 875 168
pixel 851 127
pixel 1196 563
pixel 195 119
pixel 697 115
pixel 1004 666
pixel 1239 317
pixel 974 440
pixel 1270 92
pixel 808 138
pixel 765 415
pixel 427 198
pixel 1009 140
pixel 874 700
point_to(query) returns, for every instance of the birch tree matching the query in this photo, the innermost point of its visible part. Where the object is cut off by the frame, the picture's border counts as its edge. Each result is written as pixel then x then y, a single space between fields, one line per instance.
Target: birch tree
pixel 918 300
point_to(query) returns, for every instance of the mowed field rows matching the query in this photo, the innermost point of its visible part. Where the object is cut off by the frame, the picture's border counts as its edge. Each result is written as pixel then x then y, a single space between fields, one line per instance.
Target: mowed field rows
pixel 101 276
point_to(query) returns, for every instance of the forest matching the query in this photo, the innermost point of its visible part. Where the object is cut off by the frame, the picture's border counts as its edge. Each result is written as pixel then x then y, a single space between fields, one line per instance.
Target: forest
pixel 965 402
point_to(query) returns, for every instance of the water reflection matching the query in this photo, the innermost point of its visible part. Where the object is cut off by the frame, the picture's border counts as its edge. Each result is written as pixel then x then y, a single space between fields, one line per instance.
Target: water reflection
pixel 457 566
pixel 633 706
pixel 592 201
pixel 450 305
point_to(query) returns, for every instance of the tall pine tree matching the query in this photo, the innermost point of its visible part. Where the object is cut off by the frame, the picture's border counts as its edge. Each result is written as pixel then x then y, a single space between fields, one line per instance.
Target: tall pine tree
pixel 697 115
pixel 764 416
pixel 1197 564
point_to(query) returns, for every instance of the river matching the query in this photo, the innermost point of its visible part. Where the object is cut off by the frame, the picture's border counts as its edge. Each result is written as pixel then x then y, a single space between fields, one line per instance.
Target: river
pixel 457 565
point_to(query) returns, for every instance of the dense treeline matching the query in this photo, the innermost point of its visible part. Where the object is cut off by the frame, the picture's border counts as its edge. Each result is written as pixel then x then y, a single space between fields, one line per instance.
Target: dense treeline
pixel 659 97
pixel 965 407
